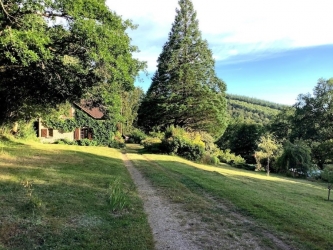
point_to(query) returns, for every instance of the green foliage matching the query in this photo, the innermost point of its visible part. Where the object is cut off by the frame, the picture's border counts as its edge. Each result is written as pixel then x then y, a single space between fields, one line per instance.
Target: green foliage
pixel 157 134
pixel 256 101
pixel 86 142
pixel 313 114
pixel 137 136
pixel 295 158
pixel 103 130
pixel 251 110
pixel 178 141
pixel 327 174
pixel 268 149
pixel 152 144
pixel 65 142
pixel 322 152
pixel 117 197
pixel 241 139
pixel 56 51
pixel 185 90
pixel 281 125
pixel 210 159
pixel 227 157
pixel 131 101
pixel 26 131
pixel 117 141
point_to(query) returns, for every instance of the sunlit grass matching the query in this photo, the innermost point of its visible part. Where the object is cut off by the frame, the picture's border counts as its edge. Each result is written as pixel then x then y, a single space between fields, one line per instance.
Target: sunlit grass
pixel 295 207
pixel 57 197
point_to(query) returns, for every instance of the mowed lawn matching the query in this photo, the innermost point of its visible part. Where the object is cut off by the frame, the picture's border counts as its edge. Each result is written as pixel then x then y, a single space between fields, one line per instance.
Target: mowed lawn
pixel 58 197
pixel 295 209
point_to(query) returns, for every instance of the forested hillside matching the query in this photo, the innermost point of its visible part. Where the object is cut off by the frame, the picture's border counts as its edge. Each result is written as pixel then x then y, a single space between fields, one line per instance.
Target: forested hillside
pixel 252 109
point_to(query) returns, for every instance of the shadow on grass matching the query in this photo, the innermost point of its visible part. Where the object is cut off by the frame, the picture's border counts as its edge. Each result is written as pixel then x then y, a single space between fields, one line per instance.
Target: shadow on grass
pixel 60 200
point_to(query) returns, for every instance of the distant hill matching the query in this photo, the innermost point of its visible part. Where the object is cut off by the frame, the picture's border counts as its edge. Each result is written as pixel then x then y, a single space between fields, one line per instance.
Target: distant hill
pixel 252 109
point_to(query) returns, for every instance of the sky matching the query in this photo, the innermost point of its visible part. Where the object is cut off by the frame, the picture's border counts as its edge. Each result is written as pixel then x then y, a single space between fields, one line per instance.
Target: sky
pixel 267 49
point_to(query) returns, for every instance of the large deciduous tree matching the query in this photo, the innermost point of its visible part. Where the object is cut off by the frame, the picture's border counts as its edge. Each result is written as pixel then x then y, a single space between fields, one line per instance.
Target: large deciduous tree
pixel 185 90
pixel 313 119
pixel 53 51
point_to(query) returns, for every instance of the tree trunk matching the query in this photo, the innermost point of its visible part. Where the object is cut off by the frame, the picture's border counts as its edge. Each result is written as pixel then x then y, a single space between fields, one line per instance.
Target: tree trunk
pixel 267 166
pixel 329 191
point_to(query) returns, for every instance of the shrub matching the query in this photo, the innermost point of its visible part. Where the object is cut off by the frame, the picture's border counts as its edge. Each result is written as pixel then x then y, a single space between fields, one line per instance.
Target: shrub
pixel 210 159
pixel 26 131
pixel 152 144
pixel 295 159
pixel 327 173
pixel 87 142
pixel 178 141
pixel 227 157
pixel 65 141
pixel 157 134
pixel 137 136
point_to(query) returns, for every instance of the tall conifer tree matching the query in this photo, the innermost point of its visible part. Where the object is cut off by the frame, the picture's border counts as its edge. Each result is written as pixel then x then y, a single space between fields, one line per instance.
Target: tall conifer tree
pixel 185 90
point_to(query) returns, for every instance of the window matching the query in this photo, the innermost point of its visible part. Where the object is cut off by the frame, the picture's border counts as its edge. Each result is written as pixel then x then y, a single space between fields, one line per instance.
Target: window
pixel 50 132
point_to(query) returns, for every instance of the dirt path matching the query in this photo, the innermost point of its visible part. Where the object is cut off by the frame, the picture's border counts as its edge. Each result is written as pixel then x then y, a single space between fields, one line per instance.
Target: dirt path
pixel 174 228
pixel 167 230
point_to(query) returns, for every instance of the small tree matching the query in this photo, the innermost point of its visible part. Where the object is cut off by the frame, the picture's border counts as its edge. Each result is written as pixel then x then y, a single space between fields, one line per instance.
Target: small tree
pixel 267 148
pixel 295 156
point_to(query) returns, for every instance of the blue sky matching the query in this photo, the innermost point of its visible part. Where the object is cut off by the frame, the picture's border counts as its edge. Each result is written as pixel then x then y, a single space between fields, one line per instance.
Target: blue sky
pixel 268 49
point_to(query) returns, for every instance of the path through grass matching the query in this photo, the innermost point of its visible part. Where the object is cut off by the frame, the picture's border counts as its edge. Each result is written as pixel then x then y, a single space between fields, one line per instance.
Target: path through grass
pixel 295 210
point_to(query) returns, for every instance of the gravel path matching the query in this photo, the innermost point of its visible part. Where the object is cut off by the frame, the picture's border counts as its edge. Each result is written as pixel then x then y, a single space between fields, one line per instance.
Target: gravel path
pixel 167 229
pixel 175 229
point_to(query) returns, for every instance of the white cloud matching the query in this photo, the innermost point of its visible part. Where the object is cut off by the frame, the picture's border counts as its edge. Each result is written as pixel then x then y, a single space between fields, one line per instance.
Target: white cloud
pixel 232 27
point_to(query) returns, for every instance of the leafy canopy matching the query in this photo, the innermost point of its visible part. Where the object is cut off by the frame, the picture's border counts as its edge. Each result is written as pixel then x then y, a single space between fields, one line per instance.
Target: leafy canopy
pixel 185 90
pixel 53 51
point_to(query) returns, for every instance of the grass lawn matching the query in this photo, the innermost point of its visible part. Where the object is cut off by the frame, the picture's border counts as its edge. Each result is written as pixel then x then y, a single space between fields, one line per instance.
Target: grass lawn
pixel 58 197
pixel 295 209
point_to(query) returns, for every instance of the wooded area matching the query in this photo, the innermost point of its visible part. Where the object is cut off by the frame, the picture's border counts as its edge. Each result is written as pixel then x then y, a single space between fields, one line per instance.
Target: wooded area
pixel 54 53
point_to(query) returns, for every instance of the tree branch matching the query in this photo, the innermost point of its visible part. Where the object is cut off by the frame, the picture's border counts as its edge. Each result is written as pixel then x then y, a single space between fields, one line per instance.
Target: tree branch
pixel 10 17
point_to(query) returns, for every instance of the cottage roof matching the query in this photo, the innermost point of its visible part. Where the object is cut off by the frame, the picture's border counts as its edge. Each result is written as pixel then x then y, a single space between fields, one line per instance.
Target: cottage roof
pixel 94 112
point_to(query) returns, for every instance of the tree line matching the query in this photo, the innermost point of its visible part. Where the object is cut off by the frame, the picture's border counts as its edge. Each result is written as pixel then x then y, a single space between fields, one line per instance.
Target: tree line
pixel 55 52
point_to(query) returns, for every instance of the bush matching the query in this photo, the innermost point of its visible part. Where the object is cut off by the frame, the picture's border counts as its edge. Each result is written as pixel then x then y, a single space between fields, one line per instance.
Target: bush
pixel 137 136
pixel 210 159
pixel 26 131
pixel 227 157
pixel 65 141
pixel 327 173
pixel 152 144
pixel 178 141
pixel 158 134
pixel 296 159
pixel 87 142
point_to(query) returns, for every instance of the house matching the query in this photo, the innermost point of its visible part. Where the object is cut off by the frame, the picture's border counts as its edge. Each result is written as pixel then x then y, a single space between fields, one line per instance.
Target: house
pixel 50 135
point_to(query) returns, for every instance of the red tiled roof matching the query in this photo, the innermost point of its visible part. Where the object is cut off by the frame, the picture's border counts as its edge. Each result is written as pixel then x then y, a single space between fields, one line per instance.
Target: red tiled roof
pixel 94 112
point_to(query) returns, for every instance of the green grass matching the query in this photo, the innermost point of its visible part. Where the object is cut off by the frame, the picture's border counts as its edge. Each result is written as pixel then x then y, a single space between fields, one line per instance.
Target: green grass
pixel 297 210
pixel 68 197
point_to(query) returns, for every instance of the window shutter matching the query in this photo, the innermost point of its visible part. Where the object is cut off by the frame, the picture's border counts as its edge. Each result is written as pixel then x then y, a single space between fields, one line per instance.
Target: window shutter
pixel 77 134
pixel 44 132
